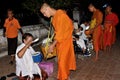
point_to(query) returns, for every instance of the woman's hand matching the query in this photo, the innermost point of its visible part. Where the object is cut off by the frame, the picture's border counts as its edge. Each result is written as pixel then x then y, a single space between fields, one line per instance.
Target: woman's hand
pixel 28 44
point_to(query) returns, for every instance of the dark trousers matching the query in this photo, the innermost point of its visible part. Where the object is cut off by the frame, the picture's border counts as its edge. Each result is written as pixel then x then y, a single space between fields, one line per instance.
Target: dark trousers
pixel 12 45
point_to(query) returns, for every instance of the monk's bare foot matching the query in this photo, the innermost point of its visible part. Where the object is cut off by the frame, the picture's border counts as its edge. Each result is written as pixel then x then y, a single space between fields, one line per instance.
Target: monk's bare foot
pixel 95 59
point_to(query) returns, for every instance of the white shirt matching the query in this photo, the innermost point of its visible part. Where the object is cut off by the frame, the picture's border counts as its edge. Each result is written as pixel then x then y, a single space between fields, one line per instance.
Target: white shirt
pixel 83 35
pixel 25 65
pixel 75 25
pixel 81 43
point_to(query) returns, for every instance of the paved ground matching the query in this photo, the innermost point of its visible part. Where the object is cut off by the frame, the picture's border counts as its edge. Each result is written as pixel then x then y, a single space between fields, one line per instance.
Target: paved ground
pixel 106 68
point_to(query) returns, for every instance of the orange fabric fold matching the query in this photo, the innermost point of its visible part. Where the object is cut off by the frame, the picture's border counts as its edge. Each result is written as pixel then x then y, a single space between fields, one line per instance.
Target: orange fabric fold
pixel 98 38
pixel 111 20
pixel 63 34
pixel 98 32
pixel 108 34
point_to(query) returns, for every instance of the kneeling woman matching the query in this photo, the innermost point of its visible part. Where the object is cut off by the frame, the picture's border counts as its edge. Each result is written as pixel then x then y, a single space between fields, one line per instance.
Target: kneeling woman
pixel 25 67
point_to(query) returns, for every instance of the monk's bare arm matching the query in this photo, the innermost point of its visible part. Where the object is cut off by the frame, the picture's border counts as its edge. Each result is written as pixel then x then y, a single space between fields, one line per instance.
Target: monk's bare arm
pixel 51 47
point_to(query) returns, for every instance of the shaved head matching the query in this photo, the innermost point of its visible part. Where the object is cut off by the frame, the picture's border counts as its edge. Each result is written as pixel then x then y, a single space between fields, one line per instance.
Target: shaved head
pixel 47 10
pixel 45 5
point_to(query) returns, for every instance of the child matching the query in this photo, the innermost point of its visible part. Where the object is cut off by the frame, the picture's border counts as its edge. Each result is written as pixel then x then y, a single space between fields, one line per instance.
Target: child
pixel 81 44
pixel 82 29
pixel 84 25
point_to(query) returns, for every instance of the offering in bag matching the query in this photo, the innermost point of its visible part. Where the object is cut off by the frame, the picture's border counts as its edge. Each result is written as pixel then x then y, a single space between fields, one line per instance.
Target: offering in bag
pixel 47 55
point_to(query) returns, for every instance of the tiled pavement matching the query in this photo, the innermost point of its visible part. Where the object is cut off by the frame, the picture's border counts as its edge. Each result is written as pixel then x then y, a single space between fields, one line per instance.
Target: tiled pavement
pixel 106 68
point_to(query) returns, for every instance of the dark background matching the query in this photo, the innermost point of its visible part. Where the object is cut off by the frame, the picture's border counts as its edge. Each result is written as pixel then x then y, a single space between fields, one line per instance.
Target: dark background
pixel 26 18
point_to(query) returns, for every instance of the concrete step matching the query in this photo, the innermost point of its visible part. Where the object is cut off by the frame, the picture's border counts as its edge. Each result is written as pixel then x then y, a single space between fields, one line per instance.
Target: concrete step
pixel 3 53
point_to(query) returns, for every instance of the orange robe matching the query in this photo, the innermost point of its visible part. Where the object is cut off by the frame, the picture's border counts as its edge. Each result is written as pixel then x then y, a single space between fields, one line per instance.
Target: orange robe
pixel 63 34
pixel 98 32
pixel 107 34
pixel 111 20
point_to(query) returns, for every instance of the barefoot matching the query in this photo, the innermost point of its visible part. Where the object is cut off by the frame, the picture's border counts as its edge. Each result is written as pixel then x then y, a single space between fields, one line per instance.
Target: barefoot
pixel 95 59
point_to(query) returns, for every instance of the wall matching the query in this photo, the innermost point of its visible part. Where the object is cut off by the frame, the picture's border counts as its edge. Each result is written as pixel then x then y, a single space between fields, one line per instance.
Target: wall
pixel 39 31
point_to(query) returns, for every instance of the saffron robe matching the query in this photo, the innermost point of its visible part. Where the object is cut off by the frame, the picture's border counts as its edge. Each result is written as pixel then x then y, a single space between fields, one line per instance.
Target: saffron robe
pixel 97 34
pixel 63 34
pixel 111 20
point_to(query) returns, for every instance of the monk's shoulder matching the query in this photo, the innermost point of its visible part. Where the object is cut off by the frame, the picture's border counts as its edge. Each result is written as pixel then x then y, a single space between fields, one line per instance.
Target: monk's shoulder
pixel 60 12
pixel 99 12
pixel 61 15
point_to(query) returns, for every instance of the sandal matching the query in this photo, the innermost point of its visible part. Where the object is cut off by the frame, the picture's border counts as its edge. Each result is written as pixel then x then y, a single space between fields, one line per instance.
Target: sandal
pixel 11 75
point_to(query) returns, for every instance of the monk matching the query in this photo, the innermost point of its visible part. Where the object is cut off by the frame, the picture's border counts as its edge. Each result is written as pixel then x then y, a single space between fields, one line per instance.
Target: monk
pixel 63 40
pixel 111 20
pixel 96 29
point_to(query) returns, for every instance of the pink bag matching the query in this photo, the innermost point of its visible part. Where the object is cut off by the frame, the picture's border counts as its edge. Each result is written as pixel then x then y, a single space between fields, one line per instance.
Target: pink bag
pixel 47 66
